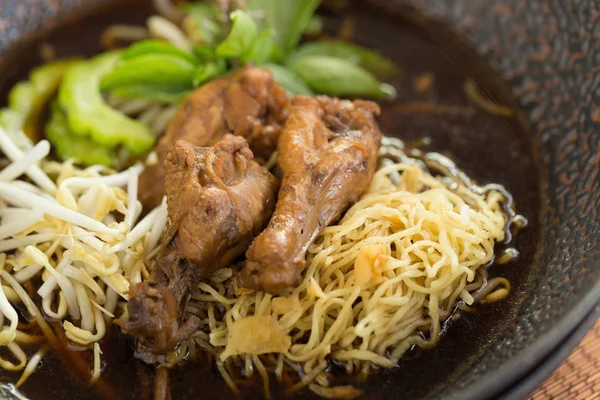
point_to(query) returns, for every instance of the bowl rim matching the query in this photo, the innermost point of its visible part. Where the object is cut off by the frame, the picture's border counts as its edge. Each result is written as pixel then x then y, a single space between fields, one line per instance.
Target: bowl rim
pixel 523 365
pixel 531 364
pixel 548 365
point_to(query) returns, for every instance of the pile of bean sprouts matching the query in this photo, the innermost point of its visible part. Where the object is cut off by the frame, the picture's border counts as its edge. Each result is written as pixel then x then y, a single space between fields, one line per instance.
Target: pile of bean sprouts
pixel 77 234
pixel 70 247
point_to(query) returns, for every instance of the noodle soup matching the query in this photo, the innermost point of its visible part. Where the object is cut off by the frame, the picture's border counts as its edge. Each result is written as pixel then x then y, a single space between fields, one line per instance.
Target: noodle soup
pixel 441 110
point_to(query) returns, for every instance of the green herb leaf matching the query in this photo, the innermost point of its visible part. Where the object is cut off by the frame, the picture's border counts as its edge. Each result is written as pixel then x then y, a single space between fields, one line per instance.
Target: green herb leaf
pixel 163 93
pixel 240 39
pixel 153 68
pixel 369 59
pixel 209 71
pixel 154 46
pixel 338 77
pixel 291 82
pixel 289 19
pixel 203 23
pixel 262 49
pixel 204 53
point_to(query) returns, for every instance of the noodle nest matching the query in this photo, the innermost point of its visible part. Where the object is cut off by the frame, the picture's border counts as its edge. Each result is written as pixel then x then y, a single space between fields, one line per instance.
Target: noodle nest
pixel 379 282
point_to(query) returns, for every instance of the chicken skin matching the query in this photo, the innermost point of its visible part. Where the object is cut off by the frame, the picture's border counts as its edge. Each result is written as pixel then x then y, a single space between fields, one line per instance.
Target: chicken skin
pixel 327 153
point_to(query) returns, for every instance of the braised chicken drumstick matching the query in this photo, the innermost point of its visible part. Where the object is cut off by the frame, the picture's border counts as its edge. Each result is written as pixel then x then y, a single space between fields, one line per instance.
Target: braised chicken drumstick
pixel 328 154
pixel 218 200
pixel 248 103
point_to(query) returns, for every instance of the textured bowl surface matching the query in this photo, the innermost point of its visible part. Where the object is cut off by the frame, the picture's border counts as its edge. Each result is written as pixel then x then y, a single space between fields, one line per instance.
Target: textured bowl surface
pixel 547 52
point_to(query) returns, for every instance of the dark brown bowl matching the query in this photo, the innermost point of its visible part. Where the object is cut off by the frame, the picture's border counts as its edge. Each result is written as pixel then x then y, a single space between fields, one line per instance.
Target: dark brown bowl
pixel 541 55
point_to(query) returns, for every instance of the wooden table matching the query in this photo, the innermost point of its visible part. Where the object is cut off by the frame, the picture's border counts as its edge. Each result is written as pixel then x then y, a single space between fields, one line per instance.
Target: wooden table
pixel 578 378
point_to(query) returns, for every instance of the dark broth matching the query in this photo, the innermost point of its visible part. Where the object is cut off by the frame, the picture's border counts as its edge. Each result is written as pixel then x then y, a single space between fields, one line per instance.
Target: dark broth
pixel 487 147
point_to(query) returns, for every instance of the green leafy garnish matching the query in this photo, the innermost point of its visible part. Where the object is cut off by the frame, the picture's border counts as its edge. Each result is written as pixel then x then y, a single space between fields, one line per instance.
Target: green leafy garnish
pixel 208 71
pixel 368 59
pixel 241 38
pixel 153 46
pixel 205 53
pixel 291 82
pixel 204 23
pixel 265 33
pixel 289 19
pixel 151 68
pixel 263 49
pixel 163 93
pixel 338 77
pixel 154 70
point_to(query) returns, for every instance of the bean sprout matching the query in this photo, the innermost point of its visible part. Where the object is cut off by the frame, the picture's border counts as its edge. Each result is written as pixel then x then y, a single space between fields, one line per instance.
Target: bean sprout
pixel 80 238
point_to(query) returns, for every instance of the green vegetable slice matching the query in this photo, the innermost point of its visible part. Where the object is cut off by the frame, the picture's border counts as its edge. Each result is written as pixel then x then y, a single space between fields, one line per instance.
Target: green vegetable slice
pixel 209 71
pixel 205 53
pixel 67 145
pixel 12 122
pixel 21 97
pixel 369 59
pixel 241 37
pixel 291 82
pixel 46 78
pixel 262 49
pixel 89 115
pixel 337 77
pixel 27 99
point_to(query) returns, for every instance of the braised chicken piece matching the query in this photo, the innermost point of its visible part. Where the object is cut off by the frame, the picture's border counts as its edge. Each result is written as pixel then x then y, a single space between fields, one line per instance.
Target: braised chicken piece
pixel 328 154
pixel 219 199
pixel 247 103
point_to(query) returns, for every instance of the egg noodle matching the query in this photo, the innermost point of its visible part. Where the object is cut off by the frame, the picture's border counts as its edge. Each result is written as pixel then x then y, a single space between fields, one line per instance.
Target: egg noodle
pixel 383 279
